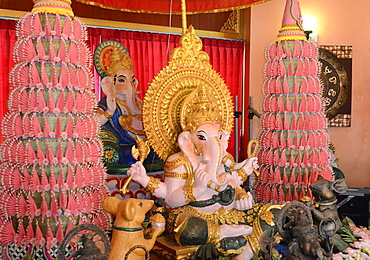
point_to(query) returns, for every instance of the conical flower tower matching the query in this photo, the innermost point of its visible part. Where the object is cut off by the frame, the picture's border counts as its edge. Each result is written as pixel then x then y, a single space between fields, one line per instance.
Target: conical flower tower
pixel 293 137
pixel 51 174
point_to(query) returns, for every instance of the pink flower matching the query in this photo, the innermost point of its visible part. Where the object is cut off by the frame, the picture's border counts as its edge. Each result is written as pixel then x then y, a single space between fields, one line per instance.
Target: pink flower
pixel 64 135
pixel 64 160
pixel 54 241
pixel 337 257
pixel 33 241
pixel 45 161
pixel 64 187
pixel 56 110
pixel 350 251
pixel 39 188
pixel 47 187
pixel 42 241
pixel 38 212
pixel 56 187
pixel 67 213
pixel 54 161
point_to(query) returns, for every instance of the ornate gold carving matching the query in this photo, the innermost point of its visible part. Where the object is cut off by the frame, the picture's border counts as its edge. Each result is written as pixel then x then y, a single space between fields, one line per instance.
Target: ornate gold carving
pixel 153 184
pixel 177 175
pixel 268 217
pixel 187 70
pixel 188 192
pixel 107 115
pixel 232 24
pixel 110 57
pixel 213 232
pixel 241 194
pixel 242 174
pixel 175 163
pixel 221 216
pixel 126 120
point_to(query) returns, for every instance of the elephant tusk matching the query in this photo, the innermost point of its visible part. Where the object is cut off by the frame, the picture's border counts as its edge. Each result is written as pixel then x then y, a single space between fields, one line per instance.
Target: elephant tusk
pixel 216 187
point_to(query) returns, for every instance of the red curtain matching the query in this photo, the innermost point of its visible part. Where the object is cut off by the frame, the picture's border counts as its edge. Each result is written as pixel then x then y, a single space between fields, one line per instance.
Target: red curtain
pixel 164 6
pixel 149 52
pixel 7 40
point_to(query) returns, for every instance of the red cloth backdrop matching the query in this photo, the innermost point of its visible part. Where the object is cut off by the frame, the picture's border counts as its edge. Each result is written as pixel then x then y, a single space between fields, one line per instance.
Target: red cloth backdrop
pixel 164 6
pixel 7 40
pixel 149 52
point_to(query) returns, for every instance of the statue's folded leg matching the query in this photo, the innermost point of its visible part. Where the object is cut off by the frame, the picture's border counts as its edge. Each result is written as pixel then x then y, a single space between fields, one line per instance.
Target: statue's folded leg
pixel 197 231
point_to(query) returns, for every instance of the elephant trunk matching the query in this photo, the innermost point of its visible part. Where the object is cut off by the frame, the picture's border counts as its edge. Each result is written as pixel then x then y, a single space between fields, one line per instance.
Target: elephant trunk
pixel 212 159
pixel 132 100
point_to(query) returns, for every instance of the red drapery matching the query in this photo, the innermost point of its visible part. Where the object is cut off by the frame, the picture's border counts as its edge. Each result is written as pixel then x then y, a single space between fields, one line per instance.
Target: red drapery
pixel 164 6
pixel 149 52
pixel 7 40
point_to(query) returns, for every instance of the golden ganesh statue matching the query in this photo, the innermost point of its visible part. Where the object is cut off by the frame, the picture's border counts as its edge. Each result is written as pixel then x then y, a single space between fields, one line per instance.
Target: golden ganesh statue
pixel 120 109
pixel 188 117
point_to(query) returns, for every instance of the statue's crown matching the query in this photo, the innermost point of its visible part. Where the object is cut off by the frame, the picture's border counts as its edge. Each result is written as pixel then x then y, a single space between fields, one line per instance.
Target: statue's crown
pixel 118 60
pixel 201 109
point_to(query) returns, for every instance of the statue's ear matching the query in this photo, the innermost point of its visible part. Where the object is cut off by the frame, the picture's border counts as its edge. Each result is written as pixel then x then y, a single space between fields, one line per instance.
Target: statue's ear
pixel 185 143
pixel 128 209
pixel 187 147
pixel 110 205
pixel 225 135
pixel 340 186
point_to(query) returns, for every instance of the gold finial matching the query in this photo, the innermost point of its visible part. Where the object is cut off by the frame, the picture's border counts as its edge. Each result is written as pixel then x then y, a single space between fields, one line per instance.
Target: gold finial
pixel 252 150
pixel 183 16
pixel 141 151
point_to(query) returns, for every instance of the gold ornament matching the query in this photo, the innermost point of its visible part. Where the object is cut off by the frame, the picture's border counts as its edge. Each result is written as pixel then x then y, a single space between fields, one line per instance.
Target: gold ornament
pixel 168 104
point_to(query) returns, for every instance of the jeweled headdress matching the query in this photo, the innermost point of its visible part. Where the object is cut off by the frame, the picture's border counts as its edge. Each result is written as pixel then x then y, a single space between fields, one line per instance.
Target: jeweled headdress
pixel 184 94
pixel 199 108
pixel 110 57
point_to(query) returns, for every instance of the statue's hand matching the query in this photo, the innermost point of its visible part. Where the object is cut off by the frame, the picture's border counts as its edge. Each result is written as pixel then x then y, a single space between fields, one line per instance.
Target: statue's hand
pixel 201 179
pixel 139 172
pixel 244 202
pixel 249 164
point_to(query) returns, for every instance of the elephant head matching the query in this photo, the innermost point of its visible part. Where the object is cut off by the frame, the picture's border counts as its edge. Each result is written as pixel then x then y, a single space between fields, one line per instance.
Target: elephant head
pixel 125 85
pixel 206 148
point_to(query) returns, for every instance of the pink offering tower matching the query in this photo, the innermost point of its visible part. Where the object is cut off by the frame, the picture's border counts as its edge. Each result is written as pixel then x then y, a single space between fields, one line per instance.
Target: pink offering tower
pixel 293 138
pixel 51 173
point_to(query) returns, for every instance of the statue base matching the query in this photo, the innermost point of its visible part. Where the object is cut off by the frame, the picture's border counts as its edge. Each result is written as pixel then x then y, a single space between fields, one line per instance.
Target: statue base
pixel 166 248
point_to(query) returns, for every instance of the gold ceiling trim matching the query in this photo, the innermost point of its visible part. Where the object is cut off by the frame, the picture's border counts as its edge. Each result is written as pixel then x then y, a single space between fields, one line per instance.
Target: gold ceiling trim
pixel 175 13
